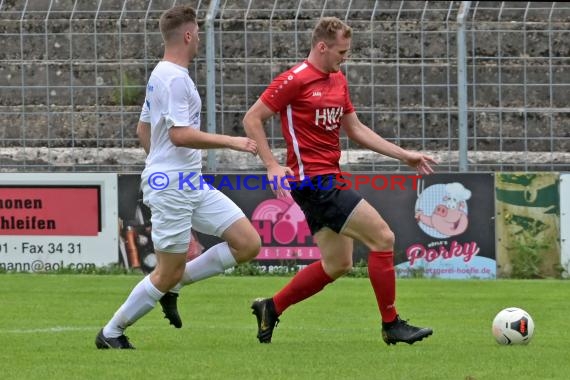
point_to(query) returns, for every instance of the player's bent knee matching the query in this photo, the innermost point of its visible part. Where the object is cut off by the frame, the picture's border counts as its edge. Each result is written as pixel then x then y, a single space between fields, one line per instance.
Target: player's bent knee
pixel 247 248
pixel 251 250
pixel 383 241
pixel 388 237
pixel 165 280
pixel 345 269
pixel 339 268
pixel 243 239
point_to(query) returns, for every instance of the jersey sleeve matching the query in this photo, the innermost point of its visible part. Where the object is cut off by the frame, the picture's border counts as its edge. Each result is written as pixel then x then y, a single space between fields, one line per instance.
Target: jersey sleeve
pixel 281 92
pixel 177 110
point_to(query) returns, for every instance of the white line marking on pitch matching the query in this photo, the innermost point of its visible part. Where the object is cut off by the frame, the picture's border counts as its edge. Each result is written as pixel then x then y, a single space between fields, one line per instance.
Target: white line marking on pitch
pixel 56 329
pixel 63 329
pixel 59 329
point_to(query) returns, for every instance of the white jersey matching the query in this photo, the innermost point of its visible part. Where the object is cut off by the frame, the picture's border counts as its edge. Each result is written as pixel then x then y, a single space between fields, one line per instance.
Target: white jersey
pixel 172 99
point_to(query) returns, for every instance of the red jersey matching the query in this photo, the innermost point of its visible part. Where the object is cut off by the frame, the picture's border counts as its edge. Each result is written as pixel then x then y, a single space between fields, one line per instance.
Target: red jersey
pixel 311 104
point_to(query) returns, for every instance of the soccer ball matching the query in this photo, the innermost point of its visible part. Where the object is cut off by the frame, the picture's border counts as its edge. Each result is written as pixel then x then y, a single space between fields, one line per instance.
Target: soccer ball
pixel 513 326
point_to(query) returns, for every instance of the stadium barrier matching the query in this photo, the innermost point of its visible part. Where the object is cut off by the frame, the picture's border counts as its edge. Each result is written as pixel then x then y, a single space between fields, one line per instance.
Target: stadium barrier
pixel 449 225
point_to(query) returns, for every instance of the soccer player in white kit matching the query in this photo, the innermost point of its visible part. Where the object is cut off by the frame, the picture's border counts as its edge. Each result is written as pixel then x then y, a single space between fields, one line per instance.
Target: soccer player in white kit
pixel 169 131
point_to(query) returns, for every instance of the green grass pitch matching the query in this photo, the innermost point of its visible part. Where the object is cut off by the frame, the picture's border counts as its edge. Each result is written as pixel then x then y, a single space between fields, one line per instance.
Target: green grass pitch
pixel 48 324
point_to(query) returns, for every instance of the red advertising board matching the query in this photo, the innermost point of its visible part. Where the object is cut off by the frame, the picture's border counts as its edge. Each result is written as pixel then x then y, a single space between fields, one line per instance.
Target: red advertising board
pixel 37 210
pixel 54 221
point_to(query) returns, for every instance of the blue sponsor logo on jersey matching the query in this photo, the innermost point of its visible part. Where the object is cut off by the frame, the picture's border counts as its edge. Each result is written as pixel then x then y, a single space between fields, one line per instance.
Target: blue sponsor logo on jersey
pixel 196 118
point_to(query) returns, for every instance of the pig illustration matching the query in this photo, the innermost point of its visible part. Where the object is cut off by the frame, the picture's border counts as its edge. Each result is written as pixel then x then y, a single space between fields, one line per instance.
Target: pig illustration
pixel 449 217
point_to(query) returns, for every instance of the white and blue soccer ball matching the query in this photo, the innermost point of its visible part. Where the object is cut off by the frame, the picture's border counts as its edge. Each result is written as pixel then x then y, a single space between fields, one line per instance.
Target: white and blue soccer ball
pixel 513 325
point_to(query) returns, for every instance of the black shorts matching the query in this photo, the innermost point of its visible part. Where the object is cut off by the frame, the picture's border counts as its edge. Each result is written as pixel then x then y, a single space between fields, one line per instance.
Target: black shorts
pixel 324 202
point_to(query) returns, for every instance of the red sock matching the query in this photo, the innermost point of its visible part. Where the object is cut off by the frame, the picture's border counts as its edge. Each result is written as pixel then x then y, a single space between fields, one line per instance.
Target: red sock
pixel 308 281
pixel 383 279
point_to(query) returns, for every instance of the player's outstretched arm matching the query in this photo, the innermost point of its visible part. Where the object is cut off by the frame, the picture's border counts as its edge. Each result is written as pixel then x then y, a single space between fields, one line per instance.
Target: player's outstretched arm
pixel 366 137
pixel 196 139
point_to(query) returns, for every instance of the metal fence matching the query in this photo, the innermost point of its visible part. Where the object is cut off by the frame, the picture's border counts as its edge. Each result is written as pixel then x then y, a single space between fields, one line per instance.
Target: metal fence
pixel 72 77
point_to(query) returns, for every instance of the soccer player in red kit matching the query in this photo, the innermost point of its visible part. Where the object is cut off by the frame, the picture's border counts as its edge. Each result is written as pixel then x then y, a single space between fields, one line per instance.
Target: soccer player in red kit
pixel 313 101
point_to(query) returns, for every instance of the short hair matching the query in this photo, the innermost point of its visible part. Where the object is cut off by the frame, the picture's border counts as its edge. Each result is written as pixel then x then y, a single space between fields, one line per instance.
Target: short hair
pixel 173 18
pixel 327 28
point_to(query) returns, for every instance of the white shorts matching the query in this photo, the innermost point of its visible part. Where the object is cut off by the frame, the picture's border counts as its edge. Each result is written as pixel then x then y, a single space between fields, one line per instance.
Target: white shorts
pixel 175 212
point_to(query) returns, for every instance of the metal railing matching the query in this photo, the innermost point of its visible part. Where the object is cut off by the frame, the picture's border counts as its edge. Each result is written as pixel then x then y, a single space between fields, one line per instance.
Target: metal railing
pixel 72 77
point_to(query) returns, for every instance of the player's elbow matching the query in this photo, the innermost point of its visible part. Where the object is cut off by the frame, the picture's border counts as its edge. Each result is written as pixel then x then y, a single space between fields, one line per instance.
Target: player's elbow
pixel 247 122
pixel 143 130
pixel 176 136
pixel 143 135
pixel 358 133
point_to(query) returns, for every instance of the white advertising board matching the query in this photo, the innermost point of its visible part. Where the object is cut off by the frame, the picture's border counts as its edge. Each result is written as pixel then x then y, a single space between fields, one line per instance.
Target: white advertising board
pixel 51 221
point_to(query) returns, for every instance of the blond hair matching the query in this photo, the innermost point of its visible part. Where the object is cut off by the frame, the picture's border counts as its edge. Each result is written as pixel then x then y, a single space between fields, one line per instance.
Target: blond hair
pixel 327 28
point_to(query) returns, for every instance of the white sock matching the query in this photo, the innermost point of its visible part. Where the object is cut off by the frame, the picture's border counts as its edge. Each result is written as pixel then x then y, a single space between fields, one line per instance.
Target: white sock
pixel 142 299
pixel 210 263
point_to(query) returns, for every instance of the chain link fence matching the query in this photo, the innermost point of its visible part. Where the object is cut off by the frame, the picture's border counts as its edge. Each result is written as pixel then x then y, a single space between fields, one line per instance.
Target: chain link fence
pixel 73 72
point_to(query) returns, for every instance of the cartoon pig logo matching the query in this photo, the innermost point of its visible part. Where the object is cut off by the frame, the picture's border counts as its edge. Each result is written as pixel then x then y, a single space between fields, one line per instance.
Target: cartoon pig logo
pixel 441 210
